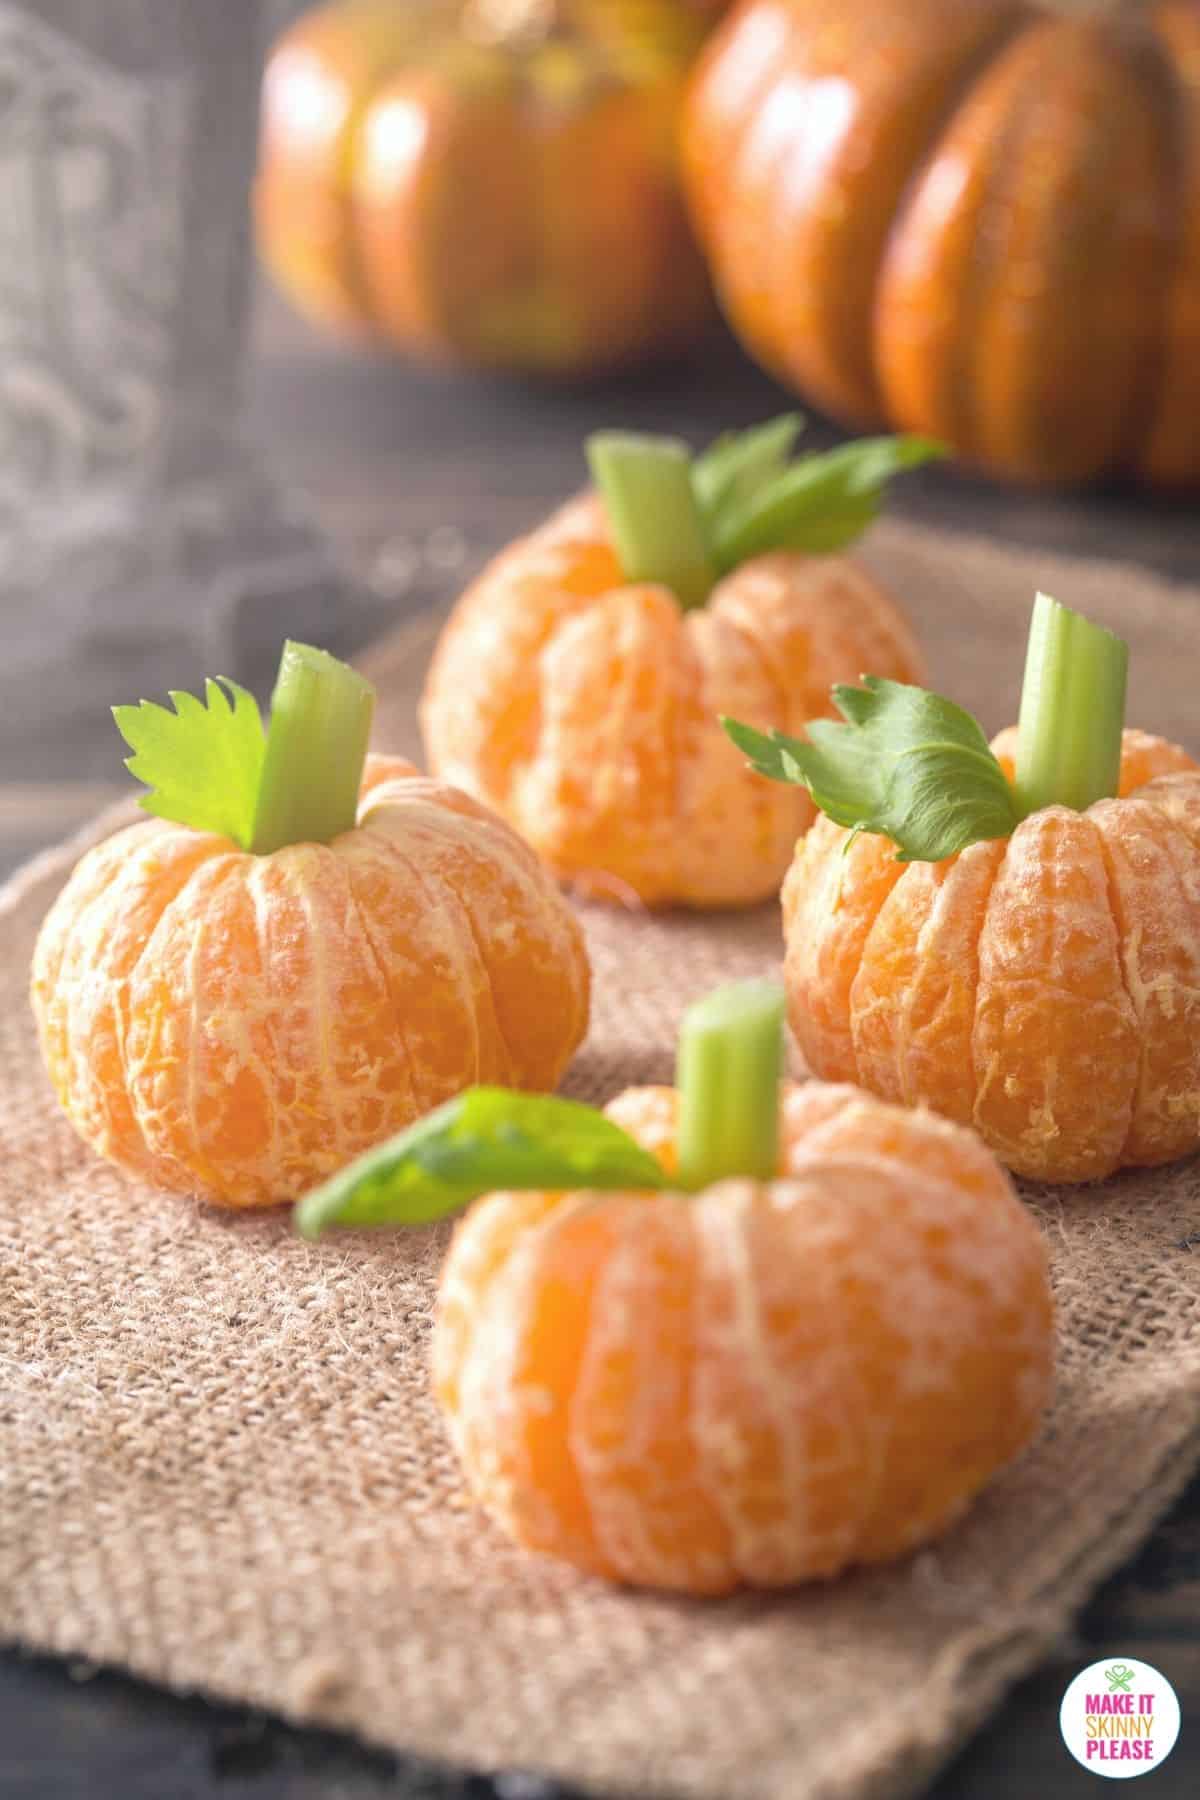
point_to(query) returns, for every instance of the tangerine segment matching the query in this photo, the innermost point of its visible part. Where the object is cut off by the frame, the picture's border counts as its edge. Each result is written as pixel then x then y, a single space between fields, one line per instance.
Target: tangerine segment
pixel 509 919
pixel 913 998
pixel 1178 798
pixel 483 716
pixel 831 899
pixel 644 793
pixel 241 1026
pixel 726 832
pixel 1055 1040
pixel 1040 988
pixel 88 950
pixel 600 782
pixel 1154 877
pixel 761 1383
pixel 813 618
pixel 586 710
pixel 641 1480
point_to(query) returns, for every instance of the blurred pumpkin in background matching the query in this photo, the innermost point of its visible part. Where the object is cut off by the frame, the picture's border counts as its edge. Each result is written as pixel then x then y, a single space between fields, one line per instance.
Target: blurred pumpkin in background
pixel 489 181
pixel 976 219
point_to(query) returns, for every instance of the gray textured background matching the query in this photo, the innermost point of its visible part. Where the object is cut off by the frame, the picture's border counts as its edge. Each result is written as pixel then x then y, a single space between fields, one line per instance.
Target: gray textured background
pixel 135 522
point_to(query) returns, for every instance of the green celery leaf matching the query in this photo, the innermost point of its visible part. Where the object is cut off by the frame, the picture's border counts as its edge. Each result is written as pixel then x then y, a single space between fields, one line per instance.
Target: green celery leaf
pixel 487 1139
pixel 769 753
pixel 819 503
pixel 740 463
pixel 202 762
pixel 906 764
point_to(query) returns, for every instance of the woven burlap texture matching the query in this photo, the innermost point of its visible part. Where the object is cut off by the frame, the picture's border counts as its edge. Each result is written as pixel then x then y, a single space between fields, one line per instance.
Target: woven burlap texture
pixel 220 1466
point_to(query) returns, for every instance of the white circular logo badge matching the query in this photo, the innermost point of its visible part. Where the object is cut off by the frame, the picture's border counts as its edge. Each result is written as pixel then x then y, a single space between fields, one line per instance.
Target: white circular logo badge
pixel 1120 1718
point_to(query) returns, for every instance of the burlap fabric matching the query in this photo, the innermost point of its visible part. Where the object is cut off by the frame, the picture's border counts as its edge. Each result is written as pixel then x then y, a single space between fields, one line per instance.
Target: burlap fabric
pixel 221 1467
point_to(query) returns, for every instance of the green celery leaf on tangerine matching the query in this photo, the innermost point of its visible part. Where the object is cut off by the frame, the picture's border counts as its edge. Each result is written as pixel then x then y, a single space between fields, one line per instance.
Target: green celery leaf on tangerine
pixel 905 764
pixel 210 765
pixel 202 762
pixel 819 503
pixel 741 463
pixel 487 1139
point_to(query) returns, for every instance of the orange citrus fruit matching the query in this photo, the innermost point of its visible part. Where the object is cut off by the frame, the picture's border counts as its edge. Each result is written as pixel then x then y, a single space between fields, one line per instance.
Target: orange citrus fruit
pixel 761 1382
pixel 1043 988
pixel 587 711
pixel 240 1026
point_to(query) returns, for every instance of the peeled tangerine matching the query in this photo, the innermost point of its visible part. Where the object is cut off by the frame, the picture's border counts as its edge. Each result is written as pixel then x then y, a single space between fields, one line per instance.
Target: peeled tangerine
pixel 757 1383
pixel 239 1025
pixel 1044 988
pixel 586 708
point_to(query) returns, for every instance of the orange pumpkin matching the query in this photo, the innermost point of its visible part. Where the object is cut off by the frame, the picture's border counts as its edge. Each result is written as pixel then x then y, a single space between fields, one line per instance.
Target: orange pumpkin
pixel 238 1026
pixel 489 181
pixel 656 22
pixel 585 707
pixel 974 218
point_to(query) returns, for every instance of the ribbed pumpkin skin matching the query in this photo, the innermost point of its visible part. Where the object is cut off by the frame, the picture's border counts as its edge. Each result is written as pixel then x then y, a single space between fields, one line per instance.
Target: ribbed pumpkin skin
pixel 973 218
pixel 1044 989
pixel 759 1384
pixel 240 1026
pixel 501 205
pixel 587 712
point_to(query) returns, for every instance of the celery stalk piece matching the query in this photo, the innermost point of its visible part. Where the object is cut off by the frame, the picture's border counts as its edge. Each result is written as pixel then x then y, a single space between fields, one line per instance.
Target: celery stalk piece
pixel 646 484
pixel 730 1060
pixel 321 714
pixel 1072 711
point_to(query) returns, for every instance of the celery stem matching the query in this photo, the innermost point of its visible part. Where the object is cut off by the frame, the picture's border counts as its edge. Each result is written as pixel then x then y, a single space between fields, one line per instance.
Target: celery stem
pixel 1072 711
pixel 321 715
pixel 646 484
pixel 730 1059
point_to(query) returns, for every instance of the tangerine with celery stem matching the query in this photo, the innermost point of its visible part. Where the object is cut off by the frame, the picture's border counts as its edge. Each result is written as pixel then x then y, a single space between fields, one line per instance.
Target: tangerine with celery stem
pixel 576 687
pixel 1008 935
pixel 296 956
pixel 725 1335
